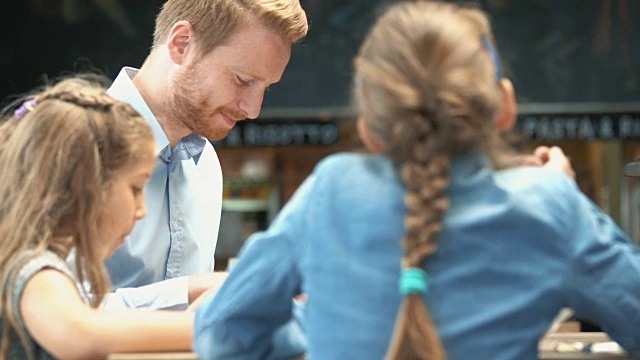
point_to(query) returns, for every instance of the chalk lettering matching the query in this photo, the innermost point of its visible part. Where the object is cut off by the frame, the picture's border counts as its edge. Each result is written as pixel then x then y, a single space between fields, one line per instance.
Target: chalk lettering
pixel 282 133
pixel 580 126
pixel 606 128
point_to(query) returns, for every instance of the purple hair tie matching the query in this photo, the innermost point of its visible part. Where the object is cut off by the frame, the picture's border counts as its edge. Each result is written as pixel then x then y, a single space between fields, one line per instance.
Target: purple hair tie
pixel 26 107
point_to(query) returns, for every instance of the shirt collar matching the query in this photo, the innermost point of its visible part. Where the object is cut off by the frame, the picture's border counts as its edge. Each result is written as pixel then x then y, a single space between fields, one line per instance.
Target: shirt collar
pixel 467 168
pixel 189 147
pixel 123 89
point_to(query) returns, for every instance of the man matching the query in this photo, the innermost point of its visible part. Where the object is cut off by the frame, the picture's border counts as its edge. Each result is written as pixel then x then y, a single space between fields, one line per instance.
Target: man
pixel 209 67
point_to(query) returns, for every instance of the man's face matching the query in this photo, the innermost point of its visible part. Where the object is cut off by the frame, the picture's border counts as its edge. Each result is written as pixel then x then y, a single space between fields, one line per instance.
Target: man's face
pixel 211 93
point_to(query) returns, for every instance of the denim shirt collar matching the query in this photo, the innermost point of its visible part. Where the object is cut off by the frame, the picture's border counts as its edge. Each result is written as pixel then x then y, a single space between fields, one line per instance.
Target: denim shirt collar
pixel 467 170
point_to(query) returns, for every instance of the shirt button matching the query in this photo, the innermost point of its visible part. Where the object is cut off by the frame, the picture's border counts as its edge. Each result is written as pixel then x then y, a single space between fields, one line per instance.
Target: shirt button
pixel 175 226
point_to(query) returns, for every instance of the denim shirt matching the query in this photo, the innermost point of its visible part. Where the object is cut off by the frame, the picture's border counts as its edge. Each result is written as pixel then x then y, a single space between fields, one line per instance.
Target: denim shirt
pixel 517 246
pixel 178 236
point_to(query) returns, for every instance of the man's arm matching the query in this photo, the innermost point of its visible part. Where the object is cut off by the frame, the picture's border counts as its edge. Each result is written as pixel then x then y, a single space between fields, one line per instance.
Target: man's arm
pixel 172 294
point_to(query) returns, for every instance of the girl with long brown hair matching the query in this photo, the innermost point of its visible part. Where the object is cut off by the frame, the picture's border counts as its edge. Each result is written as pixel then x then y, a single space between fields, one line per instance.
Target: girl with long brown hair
pixel 74 164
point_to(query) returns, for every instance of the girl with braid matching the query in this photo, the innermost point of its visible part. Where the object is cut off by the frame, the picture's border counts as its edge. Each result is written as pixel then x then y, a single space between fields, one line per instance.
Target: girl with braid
pixel 440 244
pixel 74 164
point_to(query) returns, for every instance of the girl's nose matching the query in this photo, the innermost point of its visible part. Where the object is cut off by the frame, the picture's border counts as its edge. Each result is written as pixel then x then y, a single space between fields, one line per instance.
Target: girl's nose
pixel 141 211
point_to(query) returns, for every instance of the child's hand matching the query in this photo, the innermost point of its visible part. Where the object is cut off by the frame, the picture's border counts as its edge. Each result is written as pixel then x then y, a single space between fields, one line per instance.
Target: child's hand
pixel 552 157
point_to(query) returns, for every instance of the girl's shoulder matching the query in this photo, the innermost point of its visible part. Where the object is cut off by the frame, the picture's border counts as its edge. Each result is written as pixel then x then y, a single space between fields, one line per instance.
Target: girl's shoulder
pixel 540 178
pixel 45 259
pixel 31 264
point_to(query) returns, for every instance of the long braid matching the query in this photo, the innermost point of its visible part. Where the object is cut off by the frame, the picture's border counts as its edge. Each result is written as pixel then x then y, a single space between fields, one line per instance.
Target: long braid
pixel 424 170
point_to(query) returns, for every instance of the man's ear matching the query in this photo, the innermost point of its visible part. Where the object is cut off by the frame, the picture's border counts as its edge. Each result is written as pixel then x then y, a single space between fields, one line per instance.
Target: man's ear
pixel 508 111
pixel 368 139
pixel 181 40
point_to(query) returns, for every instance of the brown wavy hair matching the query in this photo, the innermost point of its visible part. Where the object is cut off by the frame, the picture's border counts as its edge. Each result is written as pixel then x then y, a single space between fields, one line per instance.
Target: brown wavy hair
pixel 426 87
pixel 58 162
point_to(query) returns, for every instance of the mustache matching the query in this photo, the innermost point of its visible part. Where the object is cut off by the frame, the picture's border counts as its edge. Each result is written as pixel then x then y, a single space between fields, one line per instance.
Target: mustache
pixel 232 113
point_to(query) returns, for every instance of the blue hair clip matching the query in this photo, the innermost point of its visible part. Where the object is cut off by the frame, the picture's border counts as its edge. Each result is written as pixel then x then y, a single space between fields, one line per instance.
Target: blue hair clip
pixel 26 107
pixel 413 280
pixel 494 56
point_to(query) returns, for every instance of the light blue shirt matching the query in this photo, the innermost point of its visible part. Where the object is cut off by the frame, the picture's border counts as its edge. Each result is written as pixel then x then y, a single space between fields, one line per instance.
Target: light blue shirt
pixel 178 236
pixel 517 246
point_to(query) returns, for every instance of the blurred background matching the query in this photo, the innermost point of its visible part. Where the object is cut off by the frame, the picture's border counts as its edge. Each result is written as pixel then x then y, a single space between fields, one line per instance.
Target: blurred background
pixel 554 51
pixel 575 65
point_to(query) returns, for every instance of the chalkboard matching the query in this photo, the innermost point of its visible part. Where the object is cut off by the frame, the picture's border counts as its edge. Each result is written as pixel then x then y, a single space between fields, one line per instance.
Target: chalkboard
pixel 554 51
pixel 320 69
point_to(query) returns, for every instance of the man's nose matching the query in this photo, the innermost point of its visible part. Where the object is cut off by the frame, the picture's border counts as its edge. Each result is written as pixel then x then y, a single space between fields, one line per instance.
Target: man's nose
pixel 252 103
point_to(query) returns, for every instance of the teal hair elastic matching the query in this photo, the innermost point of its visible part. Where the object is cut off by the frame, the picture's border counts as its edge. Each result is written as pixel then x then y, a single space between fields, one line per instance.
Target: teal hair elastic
pixel 413 280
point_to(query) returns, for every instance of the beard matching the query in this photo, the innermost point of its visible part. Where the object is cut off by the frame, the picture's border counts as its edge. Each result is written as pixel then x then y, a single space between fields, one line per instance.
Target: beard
pixel 188 107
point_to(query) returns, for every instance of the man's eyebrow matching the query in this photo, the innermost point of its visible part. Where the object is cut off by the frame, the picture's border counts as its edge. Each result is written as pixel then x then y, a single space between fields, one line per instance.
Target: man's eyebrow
pixel 249 73
pixel 255 76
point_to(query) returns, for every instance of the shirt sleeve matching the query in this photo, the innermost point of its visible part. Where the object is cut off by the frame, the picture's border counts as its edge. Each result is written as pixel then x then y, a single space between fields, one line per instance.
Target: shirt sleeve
pixel 251 317
pixel 604 281
pixel 169 294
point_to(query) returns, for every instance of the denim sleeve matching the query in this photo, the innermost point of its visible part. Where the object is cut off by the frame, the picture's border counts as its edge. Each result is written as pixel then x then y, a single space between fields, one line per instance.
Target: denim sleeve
pixel 604 282
pixel 251 316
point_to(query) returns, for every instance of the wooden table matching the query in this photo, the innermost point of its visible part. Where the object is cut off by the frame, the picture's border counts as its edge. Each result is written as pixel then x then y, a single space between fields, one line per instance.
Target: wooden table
pixel 555 346
pixel 154 356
